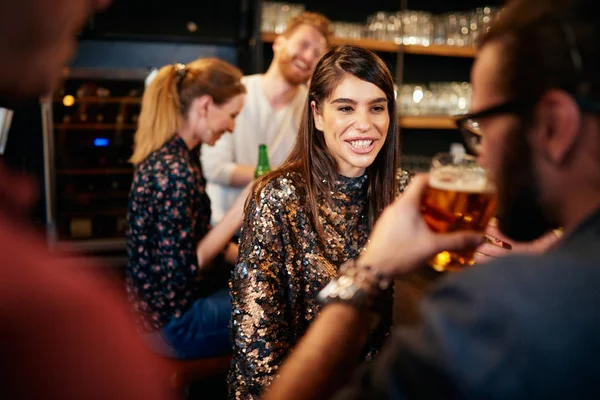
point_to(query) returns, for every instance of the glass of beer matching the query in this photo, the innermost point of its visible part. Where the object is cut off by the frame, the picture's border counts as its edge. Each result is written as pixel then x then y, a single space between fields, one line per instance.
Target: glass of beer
pixel 459 197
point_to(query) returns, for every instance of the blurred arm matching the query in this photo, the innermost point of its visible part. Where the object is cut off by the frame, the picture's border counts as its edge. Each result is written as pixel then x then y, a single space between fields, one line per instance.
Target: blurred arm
pixel 219 164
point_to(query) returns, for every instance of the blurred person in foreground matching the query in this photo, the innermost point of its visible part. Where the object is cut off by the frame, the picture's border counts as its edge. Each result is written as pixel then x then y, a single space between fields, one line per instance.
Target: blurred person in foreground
pixel 522 326
pixel 64 335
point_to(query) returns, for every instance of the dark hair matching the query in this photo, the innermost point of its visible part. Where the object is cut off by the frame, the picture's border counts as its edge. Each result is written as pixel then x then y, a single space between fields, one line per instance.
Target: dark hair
pixel 549 44
pixel 310 156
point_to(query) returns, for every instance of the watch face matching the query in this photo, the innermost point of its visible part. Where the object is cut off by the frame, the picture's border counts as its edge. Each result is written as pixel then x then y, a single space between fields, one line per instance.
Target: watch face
pixel 325 295
pixel 343 289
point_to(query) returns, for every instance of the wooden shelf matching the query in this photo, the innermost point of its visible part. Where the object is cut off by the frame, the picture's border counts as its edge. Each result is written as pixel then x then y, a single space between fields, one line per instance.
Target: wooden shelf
pixel 96 127
pixel 438 50
pixel 106 100
pixel 392 47
pixel 371 44
pixel 95 171
pixel 425 122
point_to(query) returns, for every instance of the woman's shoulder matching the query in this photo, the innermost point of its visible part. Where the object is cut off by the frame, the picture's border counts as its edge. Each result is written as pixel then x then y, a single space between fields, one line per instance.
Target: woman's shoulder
pixel 279 188
pixel 163 171
pixel 162 162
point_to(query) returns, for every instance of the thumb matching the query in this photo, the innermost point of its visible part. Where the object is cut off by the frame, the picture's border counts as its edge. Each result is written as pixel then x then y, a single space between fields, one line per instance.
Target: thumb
pixel 457 241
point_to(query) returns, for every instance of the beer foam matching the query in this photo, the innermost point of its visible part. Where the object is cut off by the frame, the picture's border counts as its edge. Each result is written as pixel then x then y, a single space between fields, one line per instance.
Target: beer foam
pixel 459 179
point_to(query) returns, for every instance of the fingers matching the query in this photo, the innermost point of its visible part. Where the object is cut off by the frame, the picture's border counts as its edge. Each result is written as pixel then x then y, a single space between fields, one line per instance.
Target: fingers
pixel 492 229
pixel 492 250
pixel 548 240
pixel 493 240
pixel 458 241
pixel 481 258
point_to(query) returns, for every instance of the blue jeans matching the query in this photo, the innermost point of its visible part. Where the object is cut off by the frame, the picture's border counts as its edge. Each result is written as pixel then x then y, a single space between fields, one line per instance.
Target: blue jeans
pixel 201 332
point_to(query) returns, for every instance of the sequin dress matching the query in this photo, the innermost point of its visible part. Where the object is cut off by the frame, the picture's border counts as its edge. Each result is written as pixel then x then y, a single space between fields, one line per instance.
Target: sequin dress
pixel 282 265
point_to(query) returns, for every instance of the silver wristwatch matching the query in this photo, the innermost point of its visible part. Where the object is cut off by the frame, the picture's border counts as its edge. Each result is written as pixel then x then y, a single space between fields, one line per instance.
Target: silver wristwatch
pixel 358 285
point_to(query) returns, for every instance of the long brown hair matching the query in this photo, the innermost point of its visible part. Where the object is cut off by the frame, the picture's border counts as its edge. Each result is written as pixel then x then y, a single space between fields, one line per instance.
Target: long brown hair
pixel 310 156
pixel 168 98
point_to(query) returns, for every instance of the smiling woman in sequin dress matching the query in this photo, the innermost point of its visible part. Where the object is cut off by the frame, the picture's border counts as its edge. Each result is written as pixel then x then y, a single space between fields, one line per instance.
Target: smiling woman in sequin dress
pixel 315 212
pixel 168 238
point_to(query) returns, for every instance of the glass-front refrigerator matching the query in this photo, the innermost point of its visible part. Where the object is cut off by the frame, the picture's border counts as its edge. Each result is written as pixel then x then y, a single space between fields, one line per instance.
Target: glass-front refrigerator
pixel 89 125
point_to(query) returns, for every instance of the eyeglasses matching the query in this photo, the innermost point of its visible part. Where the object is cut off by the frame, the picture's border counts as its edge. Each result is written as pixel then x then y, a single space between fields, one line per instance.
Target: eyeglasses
pixel 469 125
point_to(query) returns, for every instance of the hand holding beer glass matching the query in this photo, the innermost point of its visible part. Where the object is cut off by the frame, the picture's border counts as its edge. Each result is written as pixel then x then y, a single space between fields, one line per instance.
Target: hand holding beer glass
pixel 459 196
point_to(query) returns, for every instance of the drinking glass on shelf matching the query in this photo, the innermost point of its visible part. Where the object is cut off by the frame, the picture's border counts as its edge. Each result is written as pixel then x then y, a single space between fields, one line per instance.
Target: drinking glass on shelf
pixel 459 196
pixel 424 28
pixel 409 27
pixel 463 25
pixel 269 16
pixel 416 95
pixel 428 103
pixel 464 98
pixel 338 29
pixel 393 28
pixel 459 98
pixel 284 12
pixel 405 99
pixel 440 33
pixel 476 25
pixel 347 30
pixel 481 20
pixel 452 29
pixel 398 28
pixel 377 25
pixel 489 15
pixel 282 16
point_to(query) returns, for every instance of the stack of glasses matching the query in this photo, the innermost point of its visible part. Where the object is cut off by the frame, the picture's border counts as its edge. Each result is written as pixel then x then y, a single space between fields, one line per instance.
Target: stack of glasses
pixel 437 98
pixel 404 27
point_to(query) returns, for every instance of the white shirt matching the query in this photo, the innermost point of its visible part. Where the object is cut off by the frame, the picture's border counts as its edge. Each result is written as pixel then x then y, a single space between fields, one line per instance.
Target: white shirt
pixel 258 123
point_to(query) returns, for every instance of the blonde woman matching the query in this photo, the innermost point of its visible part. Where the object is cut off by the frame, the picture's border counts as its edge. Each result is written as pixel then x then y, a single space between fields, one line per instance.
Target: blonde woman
pixel 169 244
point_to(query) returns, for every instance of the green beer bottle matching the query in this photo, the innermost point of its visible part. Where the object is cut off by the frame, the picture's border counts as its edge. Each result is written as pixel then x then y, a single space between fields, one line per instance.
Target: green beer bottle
pixel 263 161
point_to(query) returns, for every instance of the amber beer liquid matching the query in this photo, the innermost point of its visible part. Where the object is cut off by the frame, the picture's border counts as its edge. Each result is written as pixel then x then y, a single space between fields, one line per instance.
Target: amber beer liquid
pixel 457 198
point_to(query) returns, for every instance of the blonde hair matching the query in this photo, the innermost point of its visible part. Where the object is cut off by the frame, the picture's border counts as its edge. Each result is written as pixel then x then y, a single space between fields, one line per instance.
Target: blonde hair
pixel 316 20
pixel 167 99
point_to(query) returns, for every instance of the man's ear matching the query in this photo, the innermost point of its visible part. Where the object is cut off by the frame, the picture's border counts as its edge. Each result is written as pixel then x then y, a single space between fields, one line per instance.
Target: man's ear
pixel 559 125
pixel 278 43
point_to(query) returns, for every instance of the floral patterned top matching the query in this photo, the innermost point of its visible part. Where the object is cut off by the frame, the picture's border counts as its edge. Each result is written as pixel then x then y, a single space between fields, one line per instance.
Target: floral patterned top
pixel 169 213
pixel 283 264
